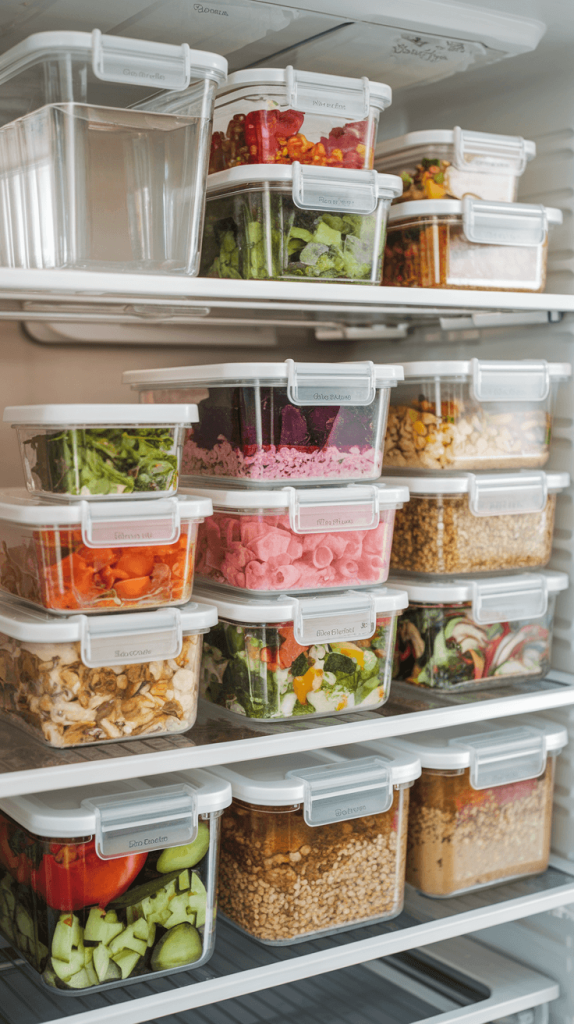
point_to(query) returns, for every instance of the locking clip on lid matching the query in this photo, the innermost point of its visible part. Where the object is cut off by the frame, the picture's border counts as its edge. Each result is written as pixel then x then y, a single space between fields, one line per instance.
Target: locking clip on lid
pixel 150 819
pixel 503 757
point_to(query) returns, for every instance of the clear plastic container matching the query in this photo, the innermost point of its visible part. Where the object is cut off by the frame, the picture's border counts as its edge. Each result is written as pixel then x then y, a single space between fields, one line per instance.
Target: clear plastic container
pixel 473 243
pixel 297 223
pixel 283 657
pixel 99 452
pixel 466 634
pixel 278 423
pixel 481 811
pixel 298 540
pixel 453 163
pixel 83 680
pixel 104 557
pixel 468 523
pixel 279 115
pixel 473 414
pixel 92 905
pixel 314 843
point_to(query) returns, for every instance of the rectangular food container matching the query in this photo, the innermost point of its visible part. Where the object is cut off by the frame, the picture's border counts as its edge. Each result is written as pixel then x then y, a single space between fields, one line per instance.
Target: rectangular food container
pixel 102 678
pixel 314 843
pixel 468 633
pixel 99 452
pixel 476 522
pixel 98 557
pixel 454 163
pixel 278 422
pixel 297 223
pixel 285 656
pixel 298 540
pixel 279 115
pixel 473 414
pixel 481 811
pixel 469 243
pixel 110 884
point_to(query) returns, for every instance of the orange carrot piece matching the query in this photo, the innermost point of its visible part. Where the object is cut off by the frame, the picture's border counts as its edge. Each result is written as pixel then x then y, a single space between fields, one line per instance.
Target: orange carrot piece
pixel 128 590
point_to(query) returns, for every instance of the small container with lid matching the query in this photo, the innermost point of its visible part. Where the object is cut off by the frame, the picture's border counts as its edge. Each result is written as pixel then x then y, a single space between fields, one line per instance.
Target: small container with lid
pixel 314 843
pixel 454 163
pixel 99 556
pixel 298 540
pixel 278 423
pixel 284 657
pixel 105 885
pixel 279 115
pixel 473 414
pixel 476 522
pixel 470 633
pixel 297 223
pixel 101 678
pixel 481 811
pixel 100 452
pixel 468 243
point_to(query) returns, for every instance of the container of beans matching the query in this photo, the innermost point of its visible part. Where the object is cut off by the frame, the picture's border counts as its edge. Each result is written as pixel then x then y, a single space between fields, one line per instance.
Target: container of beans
pixel 452 163
pixel 314 843
pixel 470 633
pixel 297 540
pixel 475 522
pixel 468 243
pixel 481 811
pixel 473 414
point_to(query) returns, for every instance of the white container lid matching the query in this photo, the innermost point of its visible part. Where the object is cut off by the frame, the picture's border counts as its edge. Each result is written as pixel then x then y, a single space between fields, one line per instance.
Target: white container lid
pixel 380 495
pixel 459 368
pixel 331 87
pixel 387 186
pixel 523 482
pixel 446 137
pixel 99 415
pixel 449 207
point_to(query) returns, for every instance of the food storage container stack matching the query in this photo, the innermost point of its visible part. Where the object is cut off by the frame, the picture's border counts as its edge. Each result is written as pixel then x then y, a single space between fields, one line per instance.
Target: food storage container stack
pixel 109 884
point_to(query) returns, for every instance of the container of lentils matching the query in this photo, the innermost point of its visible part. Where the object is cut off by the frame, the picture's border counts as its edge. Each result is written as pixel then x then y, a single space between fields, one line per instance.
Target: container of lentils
pixel 314 843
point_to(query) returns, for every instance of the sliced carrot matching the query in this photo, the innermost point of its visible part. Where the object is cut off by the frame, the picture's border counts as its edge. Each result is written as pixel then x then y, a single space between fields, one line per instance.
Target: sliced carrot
pixel 136 587
pixel 137 562
pixel 98 557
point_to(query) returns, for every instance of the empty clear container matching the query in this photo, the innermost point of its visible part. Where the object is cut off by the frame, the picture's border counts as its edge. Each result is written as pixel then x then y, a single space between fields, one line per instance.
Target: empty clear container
pixel 481 811
pixel 297 223
pixel 283 657
pixel 473 414
pixel 465 634
pixel 476 522
pixel 90 905
pixel 453 163
pixel 314 843
pixel 473 243
pixel 98 557
pixel 278 423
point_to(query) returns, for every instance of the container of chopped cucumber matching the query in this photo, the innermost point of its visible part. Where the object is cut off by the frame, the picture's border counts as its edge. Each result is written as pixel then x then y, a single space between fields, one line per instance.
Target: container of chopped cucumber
pixel 105 885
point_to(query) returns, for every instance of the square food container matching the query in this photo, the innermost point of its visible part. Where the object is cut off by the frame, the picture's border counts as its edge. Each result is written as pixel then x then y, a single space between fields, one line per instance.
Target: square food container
pixel 297 223
pixel 298 540
pixel 99 452
pixel 476 522
pixel 98 557
pixel 314 843
pixel 110 884
pixel 470 633
pixel 102 678
pixel 279 115
pixel 282 657
pixel 469 243
pixel 473 414
pixel 278 423
pixel 481 811
pixel 453 163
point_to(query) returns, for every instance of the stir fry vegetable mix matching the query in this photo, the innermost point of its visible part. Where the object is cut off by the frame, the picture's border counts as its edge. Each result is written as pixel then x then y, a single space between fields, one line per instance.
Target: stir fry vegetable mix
pixel 427 181
pixel 441 646
pixel 274 137
pixel 104 461
pixel 84 921
pixel 262 672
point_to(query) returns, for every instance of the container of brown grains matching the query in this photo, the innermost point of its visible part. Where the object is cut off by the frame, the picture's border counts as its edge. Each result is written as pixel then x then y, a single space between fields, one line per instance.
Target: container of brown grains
pixel 462 523
pixel 314 843
pixel 481 811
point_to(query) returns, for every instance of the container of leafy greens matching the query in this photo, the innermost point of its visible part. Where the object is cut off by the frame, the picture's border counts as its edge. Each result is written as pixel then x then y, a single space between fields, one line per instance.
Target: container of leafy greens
pixel 297 222
pixel 101 451
pixel 282 657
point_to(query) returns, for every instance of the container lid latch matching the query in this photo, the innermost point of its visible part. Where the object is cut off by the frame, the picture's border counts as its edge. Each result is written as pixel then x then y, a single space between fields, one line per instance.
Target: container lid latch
pixel 506 494
pixel 329 510
pixel 505 756
pixel 490 223
pixel 125 640
pixel 518 381
pixel 511 599
pixel 340 792
pixel 309 93
pixel 481 151
pixel 331 383
pixel 144 820
pixel 111 524
pixel 140 62
pixel 334 618
pixel 333 188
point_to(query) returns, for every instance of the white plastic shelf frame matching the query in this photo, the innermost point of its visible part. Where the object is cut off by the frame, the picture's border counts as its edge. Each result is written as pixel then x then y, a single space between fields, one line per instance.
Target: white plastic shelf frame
pixel 451 983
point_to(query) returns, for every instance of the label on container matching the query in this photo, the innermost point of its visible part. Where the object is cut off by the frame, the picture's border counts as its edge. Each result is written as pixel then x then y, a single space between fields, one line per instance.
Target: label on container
pixel 490 223
pixel 518 381
pixel 325 511
pixel 137 62
pixel 480 151
pixel 504 756
pixel 519 598
pixel 340 792
pixel 113 640
pixel 344 102
pixel 503 494
pixel 103 527
pixel 352 191
pixel 347 616
pixel 331 383
pixel 144 820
